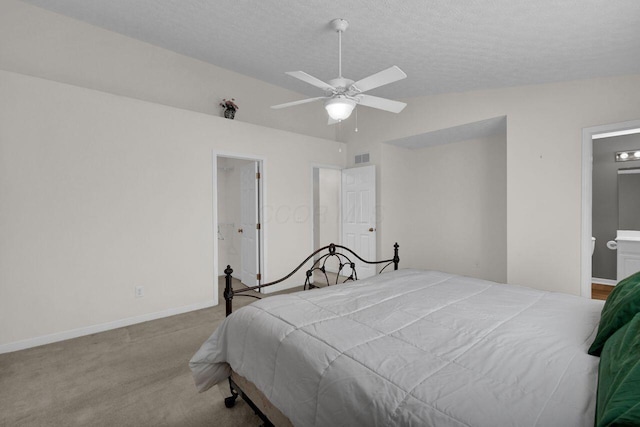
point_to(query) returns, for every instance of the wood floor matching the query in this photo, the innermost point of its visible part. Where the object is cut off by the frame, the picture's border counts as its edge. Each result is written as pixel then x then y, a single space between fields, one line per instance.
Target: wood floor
pixel 600 291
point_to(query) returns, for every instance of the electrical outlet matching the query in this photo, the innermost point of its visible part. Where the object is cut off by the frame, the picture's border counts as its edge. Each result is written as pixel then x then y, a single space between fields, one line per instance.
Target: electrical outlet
pixel 139 291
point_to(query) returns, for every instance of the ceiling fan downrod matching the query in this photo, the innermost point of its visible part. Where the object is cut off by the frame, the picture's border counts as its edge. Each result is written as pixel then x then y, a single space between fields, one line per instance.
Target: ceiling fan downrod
pixel 340 25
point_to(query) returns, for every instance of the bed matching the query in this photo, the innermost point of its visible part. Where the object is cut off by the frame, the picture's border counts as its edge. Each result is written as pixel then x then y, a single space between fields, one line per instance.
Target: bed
pixel 421 348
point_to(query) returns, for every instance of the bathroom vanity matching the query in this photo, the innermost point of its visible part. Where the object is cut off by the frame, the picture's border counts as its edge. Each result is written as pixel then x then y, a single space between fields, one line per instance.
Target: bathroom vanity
pixel 628 246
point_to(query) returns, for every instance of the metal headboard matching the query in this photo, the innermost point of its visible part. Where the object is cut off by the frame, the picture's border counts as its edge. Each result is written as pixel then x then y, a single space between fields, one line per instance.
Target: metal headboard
pixel 331 252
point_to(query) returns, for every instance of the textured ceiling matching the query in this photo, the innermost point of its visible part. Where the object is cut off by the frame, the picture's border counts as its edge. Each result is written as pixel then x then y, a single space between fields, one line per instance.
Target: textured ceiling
pixel 443 45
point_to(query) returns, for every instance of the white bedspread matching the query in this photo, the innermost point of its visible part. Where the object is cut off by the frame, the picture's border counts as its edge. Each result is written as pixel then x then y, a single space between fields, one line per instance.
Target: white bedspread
pixel 414 348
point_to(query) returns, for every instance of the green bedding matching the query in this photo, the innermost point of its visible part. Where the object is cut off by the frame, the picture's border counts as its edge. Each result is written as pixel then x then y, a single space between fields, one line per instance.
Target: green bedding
pixel 618 402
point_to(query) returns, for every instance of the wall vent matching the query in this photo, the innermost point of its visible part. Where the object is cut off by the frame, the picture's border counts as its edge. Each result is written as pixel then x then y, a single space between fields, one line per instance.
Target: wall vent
pixel 362 158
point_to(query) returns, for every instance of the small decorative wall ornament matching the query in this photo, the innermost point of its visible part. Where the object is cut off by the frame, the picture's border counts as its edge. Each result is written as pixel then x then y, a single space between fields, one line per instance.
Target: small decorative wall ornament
pixel 230 108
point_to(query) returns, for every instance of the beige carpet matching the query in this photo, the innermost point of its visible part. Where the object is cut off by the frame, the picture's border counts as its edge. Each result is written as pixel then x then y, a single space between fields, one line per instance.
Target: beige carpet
pixel 133 376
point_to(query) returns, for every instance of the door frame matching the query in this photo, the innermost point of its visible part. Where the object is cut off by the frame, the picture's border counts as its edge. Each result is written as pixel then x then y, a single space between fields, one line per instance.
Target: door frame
pixel 587 196
pixel 262 202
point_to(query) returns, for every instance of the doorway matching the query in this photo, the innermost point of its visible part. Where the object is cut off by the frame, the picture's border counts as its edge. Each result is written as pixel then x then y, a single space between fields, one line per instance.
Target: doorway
pixel 616 202
pixel 238 212
pixel 588 135
pixel 343 208
pixel 326 206
pixel 359 216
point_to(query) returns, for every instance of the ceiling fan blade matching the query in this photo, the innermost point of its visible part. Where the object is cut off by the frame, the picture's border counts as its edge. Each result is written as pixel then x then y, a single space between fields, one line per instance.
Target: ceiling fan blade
pixel 381 103
pixel 302 101
pixel 301 75
pixel 390 75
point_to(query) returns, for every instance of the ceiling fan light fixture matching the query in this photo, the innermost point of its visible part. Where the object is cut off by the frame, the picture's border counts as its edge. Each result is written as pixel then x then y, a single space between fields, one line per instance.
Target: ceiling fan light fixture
pixel 341 94
pixel 340 108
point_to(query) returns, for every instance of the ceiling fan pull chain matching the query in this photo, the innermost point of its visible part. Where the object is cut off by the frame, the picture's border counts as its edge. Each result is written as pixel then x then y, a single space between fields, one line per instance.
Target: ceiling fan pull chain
pixel 356 118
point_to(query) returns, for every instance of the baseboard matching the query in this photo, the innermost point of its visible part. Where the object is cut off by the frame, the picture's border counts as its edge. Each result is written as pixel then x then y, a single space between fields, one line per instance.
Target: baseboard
pixel 75 333
pixel 607 282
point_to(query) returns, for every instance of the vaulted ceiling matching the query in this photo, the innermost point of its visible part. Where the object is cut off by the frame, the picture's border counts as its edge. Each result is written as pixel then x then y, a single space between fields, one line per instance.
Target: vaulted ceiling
pixel 443 45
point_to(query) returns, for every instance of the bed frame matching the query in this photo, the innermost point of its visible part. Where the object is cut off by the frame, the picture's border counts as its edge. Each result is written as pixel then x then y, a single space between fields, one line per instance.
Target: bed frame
pixel 332 251
pixel 346 272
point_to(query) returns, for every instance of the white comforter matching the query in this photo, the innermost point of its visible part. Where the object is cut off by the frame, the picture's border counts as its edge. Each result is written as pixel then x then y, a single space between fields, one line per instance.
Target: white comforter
pixel 414 348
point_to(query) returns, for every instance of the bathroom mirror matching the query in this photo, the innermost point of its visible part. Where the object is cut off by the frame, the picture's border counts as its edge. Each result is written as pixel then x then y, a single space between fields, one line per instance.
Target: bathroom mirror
pixel 629 199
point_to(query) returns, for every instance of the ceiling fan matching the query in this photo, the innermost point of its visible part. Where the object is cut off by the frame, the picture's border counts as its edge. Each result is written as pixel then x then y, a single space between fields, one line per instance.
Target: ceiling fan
pixel 341 94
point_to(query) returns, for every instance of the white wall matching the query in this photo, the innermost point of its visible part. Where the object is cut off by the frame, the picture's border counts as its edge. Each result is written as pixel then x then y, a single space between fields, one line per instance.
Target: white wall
pixel 41 43
pixel 446 207
pixel 101 193
pixel 544 134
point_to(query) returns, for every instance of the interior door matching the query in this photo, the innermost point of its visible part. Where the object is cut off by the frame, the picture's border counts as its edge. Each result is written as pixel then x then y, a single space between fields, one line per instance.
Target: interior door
pixel 249 220
pixel 359 216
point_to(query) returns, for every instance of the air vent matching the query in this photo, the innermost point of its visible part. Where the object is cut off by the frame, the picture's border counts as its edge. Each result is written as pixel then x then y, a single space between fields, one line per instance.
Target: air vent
pixel 362 158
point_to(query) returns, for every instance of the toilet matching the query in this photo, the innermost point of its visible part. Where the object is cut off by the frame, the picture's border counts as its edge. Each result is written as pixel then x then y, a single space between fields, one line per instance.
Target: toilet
pixel 593 244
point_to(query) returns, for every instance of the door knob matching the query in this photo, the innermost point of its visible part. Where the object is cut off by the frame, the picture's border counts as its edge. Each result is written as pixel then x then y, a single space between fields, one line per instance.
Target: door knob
pixel 372 229
pixel 239 230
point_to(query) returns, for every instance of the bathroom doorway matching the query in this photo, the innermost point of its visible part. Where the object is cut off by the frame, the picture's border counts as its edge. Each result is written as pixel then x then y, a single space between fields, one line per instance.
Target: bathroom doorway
pixel 616 194
pixel 589 136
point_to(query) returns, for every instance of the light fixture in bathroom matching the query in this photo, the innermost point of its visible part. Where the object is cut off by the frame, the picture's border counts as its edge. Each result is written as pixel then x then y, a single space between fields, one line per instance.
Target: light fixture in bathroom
pixel 625 156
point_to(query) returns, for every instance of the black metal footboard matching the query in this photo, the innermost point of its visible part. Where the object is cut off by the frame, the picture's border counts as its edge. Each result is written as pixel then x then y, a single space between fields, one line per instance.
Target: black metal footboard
pixel 346 271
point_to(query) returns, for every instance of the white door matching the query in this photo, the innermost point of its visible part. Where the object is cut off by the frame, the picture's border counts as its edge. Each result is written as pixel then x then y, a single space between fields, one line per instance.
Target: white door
pixel 249 219
pixel 359 216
